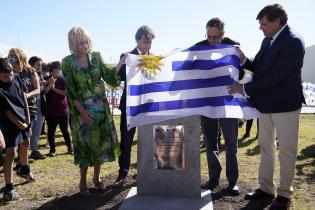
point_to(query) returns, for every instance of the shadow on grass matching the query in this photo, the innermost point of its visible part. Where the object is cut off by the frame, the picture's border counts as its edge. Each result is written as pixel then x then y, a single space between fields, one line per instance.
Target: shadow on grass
pixel 307 153
pixel 253 151
pixel 57 135
pixel 243 143
pixel 257 204
pixel 112 199
pixel 251 205
pixel 57 144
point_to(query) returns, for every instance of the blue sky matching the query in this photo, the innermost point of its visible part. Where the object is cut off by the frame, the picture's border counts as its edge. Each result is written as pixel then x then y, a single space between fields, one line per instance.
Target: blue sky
pixel 42 25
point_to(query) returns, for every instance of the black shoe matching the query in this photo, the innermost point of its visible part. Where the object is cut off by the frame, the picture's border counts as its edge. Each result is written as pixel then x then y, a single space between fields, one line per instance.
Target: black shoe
pixel 25 175
pixel 51 154
pixel 280 203
pixel 233 190
pixel 70 152
pixel 17 166
pixel 210 185
pixel 36 155
pixel 11 195
pixel 120 180
pixel 258 195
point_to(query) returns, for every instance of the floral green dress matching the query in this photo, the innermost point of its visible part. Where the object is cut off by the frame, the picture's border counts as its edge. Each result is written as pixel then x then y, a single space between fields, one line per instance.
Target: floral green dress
pixel 97 142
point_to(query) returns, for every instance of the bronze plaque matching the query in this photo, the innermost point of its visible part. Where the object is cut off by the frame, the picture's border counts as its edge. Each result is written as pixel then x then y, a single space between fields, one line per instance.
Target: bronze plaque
pixel 168 147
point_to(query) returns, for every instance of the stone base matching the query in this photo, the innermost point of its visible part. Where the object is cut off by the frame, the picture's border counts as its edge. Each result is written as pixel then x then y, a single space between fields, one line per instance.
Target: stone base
pixel 136 202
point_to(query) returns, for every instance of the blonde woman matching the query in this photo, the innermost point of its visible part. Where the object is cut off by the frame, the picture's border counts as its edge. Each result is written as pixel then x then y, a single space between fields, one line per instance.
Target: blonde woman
pixel 93 130
pixel 30 80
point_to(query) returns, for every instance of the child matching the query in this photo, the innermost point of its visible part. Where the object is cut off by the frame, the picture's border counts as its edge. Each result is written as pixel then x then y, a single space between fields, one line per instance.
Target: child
pixel 57 108
pixel 14 121
pixel 30 81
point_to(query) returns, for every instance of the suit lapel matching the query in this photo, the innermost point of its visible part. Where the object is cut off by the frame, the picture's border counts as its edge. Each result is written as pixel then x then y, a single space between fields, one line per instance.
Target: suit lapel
pixel 263 49
pixel 134 52
pixel 283 35
pixel 266 50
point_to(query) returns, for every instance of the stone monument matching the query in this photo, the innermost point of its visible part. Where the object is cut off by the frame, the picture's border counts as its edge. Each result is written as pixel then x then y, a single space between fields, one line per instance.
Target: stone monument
pixel 168 164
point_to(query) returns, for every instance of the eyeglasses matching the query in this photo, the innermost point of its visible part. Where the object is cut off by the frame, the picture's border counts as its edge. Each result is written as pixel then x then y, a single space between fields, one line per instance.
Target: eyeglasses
pixel 214 38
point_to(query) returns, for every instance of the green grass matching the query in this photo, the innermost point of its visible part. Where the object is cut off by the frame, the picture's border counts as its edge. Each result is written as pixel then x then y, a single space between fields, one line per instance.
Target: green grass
pixel 58 176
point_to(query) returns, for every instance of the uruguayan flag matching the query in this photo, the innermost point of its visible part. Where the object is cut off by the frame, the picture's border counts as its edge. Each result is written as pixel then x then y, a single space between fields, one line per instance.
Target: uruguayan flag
pixel 192 81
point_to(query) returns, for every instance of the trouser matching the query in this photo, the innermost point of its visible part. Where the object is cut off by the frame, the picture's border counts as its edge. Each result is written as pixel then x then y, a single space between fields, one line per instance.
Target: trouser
pixel 285 127
pixel 36 130
pixel 229 128
pixel 63 122
pixel 126 140
pixel 249 124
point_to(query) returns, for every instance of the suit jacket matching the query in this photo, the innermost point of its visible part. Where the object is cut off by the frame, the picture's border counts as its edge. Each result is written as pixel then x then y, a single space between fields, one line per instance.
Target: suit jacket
pixel 277 84
pixel 123 77
pixel 229 41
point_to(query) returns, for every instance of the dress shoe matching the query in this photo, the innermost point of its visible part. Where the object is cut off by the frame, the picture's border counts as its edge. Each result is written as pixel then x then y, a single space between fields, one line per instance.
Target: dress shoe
pixel 258 195
pixel 280 203
pixel 120 180
pixel 233 190
pixel 210 185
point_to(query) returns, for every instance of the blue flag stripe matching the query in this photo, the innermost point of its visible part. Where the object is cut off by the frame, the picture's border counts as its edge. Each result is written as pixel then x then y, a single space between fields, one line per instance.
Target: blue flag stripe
pixel 180 85
pixel 206 64
pixel 207 47
pixel 188 103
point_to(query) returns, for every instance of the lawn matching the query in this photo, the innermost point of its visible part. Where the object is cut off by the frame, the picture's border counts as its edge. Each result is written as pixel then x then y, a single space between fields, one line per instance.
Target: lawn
pixel 57 178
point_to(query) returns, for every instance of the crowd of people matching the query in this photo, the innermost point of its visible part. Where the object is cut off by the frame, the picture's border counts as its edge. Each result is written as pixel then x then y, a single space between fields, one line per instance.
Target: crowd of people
pixel 71 94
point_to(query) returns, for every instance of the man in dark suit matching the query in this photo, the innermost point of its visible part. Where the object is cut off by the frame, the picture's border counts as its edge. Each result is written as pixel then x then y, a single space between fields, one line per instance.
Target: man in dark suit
pixel 144 37
pixel 276 91
pixel 211 126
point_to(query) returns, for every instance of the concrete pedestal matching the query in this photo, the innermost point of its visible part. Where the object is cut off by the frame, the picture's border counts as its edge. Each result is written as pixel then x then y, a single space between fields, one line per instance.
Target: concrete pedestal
pixel 136 202
pixel 168 164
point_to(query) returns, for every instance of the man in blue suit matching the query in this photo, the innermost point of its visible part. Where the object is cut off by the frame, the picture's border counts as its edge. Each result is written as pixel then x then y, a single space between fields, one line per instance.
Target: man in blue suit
pixel 276 91
pixel 144 37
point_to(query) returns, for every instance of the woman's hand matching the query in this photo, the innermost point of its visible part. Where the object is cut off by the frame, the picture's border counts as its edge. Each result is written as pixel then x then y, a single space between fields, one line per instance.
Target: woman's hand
pixel 22 126
pixel 121 62
pixel 235 88
pixel 86 118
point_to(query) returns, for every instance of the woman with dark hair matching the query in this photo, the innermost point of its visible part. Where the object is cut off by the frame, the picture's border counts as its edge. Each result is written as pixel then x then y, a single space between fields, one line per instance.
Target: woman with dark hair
pixel 30 80
pixel 36 63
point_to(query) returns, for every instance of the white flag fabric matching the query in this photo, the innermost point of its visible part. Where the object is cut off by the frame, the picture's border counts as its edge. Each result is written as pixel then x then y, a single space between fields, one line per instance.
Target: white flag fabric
pixel 192 81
